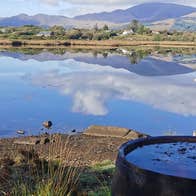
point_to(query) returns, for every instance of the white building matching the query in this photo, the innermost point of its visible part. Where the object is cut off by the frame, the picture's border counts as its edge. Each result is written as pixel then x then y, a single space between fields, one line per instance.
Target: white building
pixel 127 32
pixel 156 32
pixel 44 33
pixel 3 30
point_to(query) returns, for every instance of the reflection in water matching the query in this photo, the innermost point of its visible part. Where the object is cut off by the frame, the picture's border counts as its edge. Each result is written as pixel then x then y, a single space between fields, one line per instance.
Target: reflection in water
pixel 90 93
pixel 103 87
pixel 142 62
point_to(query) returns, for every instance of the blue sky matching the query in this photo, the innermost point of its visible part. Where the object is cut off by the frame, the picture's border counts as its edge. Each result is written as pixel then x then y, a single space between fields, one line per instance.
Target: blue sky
pixel 72 7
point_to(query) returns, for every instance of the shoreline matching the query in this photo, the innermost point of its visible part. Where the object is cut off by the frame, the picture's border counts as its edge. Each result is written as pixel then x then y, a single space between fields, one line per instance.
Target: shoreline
pixel 88 159
pixel 102 143
pixel 92 43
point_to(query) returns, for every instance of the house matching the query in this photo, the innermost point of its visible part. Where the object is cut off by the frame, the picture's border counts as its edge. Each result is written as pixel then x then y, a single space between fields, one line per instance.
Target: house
pixel 44 34
pixel 127 32
pixel 3 30
pixel 156 32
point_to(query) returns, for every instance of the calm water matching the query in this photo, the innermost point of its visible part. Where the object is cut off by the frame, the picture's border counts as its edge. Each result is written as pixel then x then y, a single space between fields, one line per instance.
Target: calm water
pixel 147 91
pixel 165 159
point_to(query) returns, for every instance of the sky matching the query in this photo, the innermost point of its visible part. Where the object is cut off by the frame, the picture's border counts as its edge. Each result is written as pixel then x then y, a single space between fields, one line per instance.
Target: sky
pixel 72 7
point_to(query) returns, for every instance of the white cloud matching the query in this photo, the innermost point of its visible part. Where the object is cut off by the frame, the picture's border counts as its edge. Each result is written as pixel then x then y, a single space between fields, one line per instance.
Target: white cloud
pixel 92 89
pixel 78 7
pixel 51 2
pixel 118 2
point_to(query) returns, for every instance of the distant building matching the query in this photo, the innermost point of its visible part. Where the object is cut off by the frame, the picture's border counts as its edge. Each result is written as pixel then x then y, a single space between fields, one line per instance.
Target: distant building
pixel 127 32
pixel 3 30
pixel 44 33
pixel 156 32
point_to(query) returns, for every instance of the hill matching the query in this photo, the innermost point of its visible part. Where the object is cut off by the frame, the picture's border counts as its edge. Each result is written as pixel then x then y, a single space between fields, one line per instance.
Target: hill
pixel 158 16
pixel 184 23
pixel 49 21
pixel 147 12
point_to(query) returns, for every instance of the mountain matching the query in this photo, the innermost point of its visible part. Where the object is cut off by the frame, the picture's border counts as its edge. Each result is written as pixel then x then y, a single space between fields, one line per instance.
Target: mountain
pixel 147 12
pixel 187 22
pixel 184 23
pixel 50 20
pixel 157 16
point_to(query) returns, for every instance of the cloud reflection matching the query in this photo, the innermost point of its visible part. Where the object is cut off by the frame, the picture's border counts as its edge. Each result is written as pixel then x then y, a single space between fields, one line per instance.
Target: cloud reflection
pixel 91 89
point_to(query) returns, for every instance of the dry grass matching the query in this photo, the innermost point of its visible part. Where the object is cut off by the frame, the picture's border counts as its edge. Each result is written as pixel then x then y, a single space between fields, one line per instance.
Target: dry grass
pixel 54 173
pixel 30 175
pixel 106 43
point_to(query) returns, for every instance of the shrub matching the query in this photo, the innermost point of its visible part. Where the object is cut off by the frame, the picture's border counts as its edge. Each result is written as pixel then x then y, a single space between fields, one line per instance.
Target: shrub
pixel 74 34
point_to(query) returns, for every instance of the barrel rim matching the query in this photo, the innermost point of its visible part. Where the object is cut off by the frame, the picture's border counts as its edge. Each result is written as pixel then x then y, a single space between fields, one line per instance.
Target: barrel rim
pixel 133 144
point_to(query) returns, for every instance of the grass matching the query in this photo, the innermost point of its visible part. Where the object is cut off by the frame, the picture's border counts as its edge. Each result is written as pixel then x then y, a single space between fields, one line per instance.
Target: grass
pixel 106 165
pixel 97 179
pixel 111 43
pixel 28 174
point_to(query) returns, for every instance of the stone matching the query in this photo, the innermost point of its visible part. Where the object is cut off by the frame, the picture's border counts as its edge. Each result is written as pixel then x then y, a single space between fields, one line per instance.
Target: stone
pixel 135 135
pixel 108 131
pixel 44 140
pixel 27 141
pixel 73 131
pixel 21 132
pixel 47 124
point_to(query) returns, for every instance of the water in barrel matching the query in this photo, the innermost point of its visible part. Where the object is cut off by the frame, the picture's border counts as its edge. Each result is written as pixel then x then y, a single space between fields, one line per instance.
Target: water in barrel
pixel 175 159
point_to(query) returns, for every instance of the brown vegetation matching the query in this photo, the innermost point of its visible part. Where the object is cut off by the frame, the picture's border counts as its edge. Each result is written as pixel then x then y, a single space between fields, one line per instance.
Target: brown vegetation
pixel 111 43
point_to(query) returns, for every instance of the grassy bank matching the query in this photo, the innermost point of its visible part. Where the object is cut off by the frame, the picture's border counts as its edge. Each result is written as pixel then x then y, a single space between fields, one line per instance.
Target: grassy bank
pixel 28 174
pixel 106 43
pixel 60 165
pixel 140 51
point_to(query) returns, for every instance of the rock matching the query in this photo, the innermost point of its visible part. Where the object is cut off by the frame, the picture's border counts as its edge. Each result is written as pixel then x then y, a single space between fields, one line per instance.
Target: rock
pixel 182 150
pixel 44 140
pixel 108 131
pixel 6 162
pixel 21 132
pixel 27 141
pixel 73 131
pixel 156 159
pixel 135 135
pixel 25 156
pixel 192 157
pixel 47 124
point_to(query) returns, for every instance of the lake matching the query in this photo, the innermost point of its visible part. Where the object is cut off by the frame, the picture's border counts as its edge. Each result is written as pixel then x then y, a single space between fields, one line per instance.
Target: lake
pixel 149 90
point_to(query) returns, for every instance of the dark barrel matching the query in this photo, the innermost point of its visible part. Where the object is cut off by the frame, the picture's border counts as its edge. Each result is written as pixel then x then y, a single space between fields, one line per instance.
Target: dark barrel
pixel 130 180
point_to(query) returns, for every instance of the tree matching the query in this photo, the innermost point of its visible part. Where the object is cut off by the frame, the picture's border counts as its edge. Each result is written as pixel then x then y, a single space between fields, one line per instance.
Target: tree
pixel 74 34
pixel 134 25
pixel 96 27
pixel 88 35
pixel 105 27
pixel 57 30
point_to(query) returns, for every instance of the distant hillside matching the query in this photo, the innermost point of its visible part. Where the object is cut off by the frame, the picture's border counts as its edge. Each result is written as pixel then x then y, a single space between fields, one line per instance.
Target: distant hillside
pixel 184 23
pixel 148 12
pixel 49 20
pixel 157 16
pixel 161 25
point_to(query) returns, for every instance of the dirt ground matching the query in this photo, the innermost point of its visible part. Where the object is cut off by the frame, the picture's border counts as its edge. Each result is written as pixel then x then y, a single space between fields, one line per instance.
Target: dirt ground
pixel 80 149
